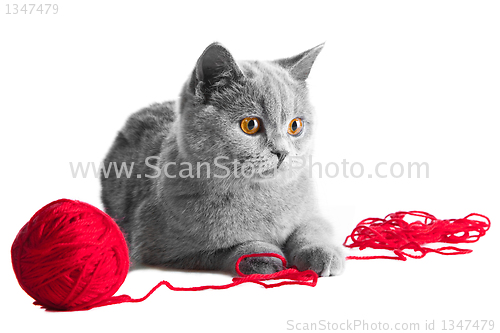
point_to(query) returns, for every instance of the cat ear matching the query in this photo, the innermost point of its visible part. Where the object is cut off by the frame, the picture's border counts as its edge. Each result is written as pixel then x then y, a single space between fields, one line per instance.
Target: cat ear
pixel 215 68
pixel 300 65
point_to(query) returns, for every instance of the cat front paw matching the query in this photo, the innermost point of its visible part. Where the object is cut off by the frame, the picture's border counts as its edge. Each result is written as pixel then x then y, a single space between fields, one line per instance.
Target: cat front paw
pixel 260 265
pixel 325 261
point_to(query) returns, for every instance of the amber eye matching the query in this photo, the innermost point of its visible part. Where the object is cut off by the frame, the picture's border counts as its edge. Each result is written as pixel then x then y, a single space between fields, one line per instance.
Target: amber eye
pixel 250 125
pixel 295 126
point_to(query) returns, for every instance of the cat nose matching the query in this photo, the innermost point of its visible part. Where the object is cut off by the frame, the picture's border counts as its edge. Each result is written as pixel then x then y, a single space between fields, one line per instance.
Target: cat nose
pixel 281 154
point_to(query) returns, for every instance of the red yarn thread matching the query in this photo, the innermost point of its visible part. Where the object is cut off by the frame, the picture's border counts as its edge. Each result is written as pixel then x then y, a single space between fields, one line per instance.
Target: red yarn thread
pixel 289 275
pixel 394 233
pixel 72 256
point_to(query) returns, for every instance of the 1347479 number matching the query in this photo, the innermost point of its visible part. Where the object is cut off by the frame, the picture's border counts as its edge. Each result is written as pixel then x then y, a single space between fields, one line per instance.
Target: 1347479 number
pixel 32 9
pixel 464 325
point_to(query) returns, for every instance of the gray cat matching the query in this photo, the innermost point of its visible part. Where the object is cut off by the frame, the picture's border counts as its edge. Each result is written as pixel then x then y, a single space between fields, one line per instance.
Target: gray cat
pixel 187 204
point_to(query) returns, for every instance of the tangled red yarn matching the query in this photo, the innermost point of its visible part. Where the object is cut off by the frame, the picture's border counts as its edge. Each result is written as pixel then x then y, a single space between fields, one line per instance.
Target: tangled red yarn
pixel 396 234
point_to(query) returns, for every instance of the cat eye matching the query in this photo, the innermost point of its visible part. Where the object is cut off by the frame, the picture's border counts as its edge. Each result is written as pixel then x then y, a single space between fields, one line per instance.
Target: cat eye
pixel 250 125
pixel 295 126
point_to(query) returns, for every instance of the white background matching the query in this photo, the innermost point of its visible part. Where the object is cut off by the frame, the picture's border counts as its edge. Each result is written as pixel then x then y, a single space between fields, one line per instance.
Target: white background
pixel 397 81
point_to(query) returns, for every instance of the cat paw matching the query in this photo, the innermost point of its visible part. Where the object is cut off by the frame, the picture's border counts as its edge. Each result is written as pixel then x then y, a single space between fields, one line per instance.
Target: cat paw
pixel 260 265
pixel 325 261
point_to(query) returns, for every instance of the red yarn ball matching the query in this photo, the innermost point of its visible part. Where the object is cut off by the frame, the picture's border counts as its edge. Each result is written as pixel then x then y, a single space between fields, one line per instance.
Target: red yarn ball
pixel 70 256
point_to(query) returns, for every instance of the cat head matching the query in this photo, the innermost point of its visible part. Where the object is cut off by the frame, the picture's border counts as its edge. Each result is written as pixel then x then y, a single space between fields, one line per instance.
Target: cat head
pixel 254 113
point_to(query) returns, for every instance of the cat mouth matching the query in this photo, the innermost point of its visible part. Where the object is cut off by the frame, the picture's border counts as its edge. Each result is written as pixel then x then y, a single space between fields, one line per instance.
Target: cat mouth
pixel 267 172
pixel 270 172
pixel 279 162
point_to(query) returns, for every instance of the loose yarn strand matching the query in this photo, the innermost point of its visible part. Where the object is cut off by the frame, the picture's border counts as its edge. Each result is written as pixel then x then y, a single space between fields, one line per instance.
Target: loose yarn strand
pixel 291 276
pixel 395 234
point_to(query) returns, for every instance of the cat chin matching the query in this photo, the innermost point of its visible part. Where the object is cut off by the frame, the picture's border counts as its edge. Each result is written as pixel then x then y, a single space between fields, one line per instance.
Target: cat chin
pixel 273 175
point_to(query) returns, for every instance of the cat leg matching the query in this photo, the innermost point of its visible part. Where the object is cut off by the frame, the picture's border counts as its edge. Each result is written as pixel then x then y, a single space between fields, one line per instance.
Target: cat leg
pixel 310 246
pixel 254 265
